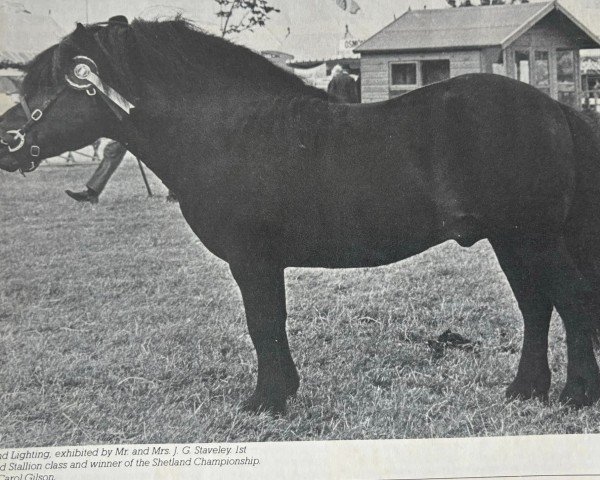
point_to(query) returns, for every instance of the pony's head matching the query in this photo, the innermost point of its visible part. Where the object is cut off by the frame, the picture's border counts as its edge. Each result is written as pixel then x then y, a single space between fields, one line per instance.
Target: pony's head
pixel 80 89
pixel 69 98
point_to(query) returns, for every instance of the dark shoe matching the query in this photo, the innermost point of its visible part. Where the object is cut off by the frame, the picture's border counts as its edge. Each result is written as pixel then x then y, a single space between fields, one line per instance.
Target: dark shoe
pixel 85 196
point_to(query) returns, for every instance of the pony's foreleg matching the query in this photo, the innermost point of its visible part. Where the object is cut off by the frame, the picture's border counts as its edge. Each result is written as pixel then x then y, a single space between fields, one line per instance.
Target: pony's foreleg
pixel 263 293
pixel 524 275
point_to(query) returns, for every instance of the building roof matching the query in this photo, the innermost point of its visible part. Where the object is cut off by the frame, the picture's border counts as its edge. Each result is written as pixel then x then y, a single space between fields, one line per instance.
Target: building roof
pixel 453 28
pixel 23 35
pixel 313 62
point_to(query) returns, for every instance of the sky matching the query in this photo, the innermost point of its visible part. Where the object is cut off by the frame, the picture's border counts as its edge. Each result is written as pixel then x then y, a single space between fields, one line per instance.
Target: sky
pixel 67 12
pixel 301 16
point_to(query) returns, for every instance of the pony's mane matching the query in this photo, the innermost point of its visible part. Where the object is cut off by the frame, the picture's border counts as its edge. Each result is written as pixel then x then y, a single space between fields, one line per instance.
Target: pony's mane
pixel 172 51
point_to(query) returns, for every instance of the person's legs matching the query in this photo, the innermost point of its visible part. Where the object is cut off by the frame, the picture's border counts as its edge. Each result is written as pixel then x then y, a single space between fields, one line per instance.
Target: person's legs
pixel 114 153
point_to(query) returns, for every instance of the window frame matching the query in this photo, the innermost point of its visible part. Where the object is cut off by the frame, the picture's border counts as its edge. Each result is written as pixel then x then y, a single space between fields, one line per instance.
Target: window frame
pixel 427 60
pixel 408 86
pixel 418 65
pixel 534 71
pixel 526 51
pixel 573 55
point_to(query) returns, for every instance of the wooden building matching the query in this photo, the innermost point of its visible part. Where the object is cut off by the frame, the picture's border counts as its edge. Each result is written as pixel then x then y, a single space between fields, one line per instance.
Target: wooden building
pixel 537 43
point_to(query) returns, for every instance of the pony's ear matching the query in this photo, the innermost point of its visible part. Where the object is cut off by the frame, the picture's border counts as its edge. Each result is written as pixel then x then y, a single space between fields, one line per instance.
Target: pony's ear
pixel 82 38
pixel 118 20
pixel 80 32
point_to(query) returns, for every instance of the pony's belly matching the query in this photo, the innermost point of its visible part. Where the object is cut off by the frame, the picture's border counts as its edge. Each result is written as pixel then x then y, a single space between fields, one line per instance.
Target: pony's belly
pixel 356 253
pixel 374 233
pixel 363 260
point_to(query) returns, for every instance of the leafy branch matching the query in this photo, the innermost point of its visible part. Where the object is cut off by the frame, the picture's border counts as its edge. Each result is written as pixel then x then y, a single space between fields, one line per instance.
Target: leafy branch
pixel 241 15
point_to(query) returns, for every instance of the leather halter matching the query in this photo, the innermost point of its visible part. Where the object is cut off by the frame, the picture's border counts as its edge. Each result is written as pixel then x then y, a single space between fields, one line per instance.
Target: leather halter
pixel 18 135
pixel 83 77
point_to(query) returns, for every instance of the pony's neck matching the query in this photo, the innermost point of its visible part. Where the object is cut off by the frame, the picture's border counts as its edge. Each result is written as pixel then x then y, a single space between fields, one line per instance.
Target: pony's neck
pixel 178 134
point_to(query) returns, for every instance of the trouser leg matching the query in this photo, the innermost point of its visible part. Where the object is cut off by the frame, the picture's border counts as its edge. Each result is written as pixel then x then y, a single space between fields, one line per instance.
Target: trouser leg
pixel 112 158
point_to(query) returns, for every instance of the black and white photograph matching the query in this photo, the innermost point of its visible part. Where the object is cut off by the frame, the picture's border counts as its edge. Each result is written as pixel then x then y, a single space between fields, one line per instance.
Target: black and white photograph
pixel 231 221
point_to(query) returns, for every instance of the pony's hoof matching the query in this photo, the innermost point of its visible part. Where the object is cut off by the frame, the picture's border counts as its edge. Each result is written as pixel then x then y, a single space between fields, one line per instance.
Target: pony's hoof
pixel 292 385
pixel 259 404
pixel 523 390
pixel 580 393
pixel 518 392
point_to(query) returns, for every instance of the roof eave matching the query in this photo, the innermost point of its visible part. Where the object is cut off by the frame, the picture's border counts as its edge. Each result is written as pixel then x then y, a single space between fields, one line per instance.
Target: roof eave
pixel 528 24
pixel 580 25
pixel 554 5
pixel 454 48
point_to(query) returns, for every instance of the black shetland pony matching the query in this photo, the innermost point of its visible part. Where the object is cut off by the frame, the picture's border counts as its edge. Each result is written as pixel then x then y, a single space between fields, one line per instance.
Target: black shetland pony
pixel 271 175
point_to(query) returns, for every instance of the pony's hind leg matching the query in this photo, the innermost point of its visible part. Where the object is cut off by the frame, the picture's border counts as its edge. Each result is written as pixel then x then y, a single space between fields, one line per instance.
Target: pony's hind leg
pixel 533 375
pixel 572 293
pixel 263 293
pixel 583 244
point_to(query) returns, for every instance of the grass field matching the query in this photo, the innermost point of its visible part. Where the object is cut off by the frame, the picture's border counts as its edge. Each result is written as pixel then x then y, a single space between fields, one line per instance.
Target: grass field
pixel 116 325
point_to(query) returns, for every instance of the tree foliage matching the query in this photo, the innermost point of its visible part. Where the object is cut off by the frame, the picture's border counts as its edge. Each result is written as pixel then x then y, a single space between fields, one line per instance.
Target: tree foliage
pixel 469 3
pixel 240 15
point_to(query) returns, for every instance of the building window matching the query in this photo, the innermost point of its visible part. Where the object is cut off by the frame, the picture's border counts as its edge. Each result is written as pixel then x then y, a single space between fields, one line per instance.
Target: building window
pixel 522 64
pixel 433 71
pixel 565 66
pixel 404 74
pixel 565 75
pixel 541 71
pixel 409 75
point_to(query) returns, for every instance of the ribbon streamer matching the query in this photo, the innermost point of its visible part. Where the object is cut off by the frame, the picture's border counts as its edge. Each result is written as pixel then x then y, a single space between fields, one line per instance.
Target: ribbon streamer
pixel 84 76
pixel 112 94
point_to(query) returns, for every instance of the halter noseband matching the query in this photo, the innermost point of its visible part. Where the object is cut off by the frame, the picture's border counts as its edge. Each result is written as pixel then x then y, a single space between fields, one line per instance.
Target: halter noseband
pixel 83 76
